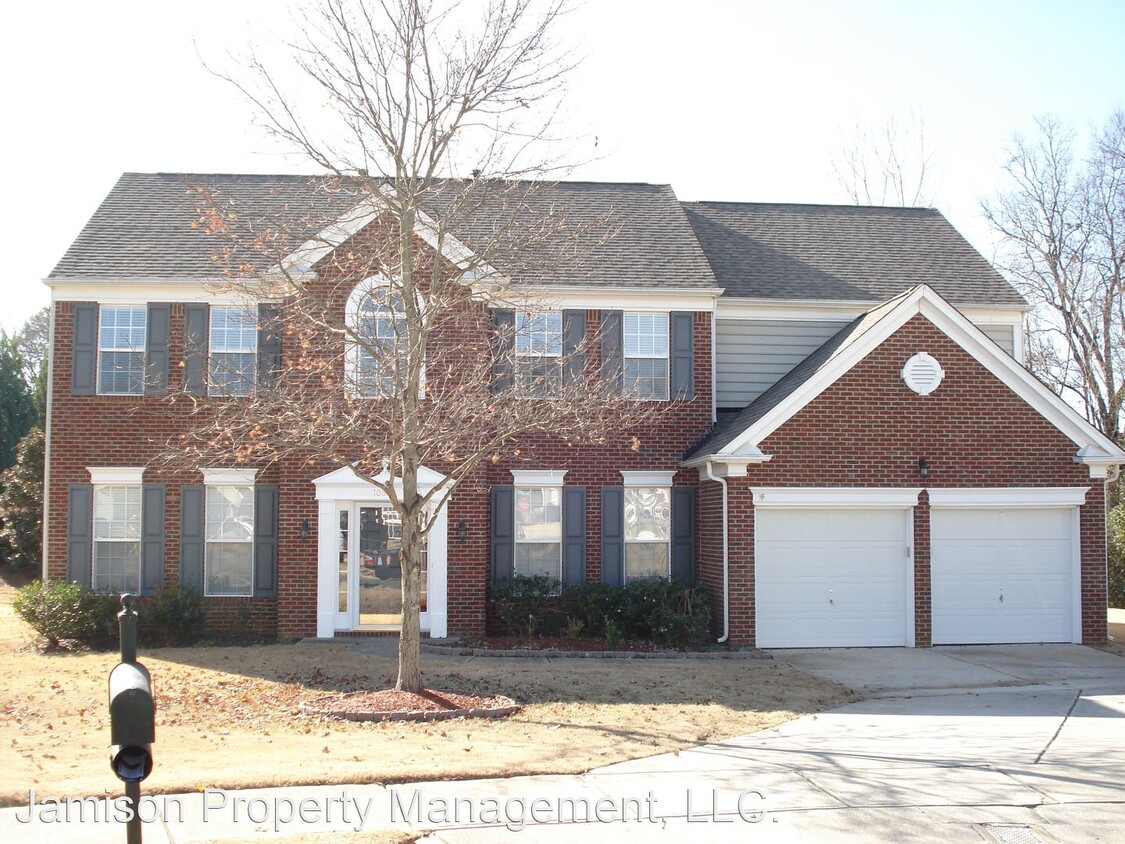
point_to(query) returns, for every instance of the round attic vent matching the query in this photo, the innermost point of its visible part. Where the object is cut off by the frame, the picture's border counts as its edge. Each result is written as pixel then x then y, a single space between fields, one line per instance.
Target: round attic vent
pixel 922 373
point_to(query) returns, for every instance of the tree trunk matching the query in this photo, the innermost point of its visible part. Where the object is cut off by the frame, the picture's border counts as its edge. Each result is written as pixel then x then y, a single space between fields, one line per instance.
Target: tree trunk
pixel 410 639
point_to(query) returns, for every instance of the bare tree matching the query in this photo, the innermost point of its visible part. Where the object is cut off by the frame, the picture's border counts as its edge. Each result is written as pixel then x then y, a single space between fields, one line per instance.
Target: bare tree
pixel 888 164
pixel 414 372
pixel 1062 221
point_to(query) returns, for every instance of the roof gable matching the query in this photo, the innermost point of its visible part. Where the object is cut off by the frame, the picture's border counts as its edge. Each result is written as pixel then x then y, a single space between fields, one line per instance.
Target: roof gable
pixel 742 435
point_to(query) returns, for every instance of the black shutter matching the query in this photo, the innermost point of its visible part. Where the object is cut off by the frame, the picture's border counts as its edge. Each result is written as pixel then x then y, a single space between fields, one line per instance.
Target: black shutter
pixel 152 538
pixel 84 350
pixel 79 532
pixel 196 325
pixel 503 348
pixel 613 535
pixel 683 534
pixel 574 534
pixel 191 535
pixel 613 343
pixel 573 336
pixel 265 541
pixel 503 533
pixel 269 343
pixel 683 356
pixel 157 335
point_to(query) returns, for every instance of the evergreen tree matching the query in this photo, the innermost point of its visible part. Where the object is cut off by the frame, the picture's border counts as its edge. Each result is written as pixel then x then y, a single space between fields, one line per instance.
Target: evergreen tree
pixel 17 413
pixel 21 504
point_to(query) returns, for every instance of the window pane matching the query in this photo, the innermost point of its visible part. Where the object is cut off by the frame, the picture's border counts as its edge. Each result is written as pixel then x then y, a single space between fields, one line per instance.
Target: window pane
pixel 648 513
pixel 343 605
pixel 539 333
pixel 230 513
pixel 540 377
pixel 646 378
pixel 117 512
pixel 234 329
pixel 645 335
pixel 381 346
pixel 117 566
pixel 122 328
pixel 646 560
pixel 232 374
pixel 230 568
pixel 121 372
pixel 536 558
pixel 538 514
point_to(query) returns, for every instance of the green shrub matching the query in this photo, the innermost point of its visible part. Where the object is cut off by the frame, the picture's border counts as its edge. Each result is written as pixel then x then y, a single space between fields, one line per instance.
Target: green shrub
pixel 658 611
pixel 175 614
pixel 1115 534
pixel 60 611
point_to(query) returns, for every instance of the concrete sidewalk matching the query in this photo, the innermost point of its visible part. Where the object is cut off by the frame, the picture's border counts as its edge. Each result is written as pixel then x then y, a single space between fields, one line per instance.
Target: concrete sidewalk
pixel 1038 762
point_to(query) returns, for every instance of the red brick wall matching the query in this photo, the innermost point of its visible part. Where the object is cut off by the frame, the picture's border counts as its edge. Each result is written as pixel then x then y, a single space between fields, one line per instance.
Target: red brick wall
pixel 869 429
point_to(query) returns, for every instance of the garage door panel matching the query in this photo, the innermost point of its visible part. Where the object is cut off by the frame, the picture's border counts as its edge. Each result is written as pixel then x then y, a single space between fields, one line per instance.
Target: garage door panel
pixel 1022 555
pixel 831 577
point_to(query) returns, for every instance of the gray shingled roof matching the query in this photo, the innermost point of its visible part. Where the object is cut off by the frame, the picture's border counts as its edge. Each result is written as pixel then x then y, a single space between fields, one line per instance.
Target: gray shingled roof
pixel 842 252
pixel 728 429
pixel 614 235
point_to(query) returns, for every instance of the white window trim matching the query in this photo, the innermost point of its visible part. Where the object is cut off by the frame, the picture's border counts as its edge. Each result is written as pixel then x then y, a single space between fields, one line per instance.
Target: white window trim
pixel 229 477
pixel 666 357
pixel 903 498
pixel 99 348
pixel 1047 496
pixel 538 477
pixel 351 349
pixel 211 387
pixel 116 475
pixel 663 479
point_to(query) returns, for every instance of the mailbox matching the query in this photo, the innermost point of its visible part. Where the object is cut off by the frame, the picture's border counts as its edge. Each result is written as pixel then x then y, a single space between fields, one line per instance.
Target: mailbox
pixel 132 721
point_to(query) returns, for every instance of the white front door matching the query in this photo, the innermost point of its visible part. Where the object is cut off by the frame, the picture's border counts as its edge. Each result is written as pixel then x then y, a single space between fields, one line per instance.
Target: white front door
pixel 1004 574
pixel 832 576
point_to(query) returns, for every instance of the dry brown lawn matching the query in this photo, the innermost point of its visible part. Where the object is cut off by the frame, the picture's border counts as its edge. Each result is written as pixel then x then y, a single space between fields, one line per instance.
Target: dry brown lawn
pixel 227 716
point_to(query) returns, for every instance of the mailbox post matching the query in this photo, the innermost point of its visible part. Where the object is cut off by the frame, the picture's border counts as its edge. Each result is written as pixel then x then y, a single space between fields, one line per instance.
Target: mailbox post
pixel 132 718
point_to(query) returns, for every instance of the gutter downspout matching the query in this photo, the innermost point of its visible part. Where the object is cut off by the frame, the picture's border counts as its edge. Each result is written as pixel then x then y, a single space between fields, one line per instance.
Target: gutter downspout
pixel 711 476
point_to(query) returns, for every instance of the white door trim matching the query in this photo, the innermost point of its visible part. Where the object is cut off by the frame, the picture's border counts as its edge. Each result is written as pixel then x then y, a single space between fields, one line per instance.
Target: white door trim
pixel 1026 496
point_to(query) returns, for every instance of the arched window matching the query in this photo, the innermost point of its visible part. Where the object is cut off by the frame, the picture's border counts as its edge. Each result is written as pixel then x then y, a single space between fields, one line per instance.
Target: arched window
pixel 378 349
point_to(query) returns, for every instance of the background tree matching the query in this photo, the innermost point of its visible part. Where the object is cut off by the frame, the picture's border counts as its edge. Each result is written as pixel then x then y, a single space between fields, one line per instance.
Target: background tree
pixel 1062 228
pixel 891 163
pixel 32 342
pixel 420 95
pixel 17 413
pixel 21 504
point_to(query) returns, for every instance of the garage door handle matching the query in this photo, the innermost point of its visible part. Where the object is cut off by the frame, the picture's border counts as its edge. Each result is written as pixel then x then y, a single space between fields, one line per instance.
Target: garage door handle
pixel 1001 596
pixel 832 599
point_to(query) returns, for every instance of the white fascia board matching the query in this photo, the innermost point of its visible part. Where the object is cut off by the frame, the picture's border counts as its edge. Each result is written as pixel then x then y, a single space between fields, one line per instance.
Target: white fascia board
pixel 607 298
pixel 131 475
pixel 1043 496
pixel 958 328
pixel 839 309
pixel 836 497
pixel 538 477
pixel 659 479
pixel 128 290
pixel 229 477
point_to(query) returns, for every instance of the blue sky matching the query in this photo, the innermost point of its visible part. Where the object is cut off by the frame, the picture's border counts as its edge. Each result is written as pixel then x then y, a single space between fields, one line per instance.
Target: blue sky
pixel 743 101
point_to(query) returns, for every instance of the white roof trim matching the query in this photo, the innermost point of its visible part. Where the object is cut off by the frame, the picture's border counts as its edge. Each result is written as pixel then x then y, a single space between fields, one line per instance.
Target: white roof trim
pixel 304 257
pixel 1042 496
pixel 229 477
pixel 848 497
pixel 923 300
pixel 116 474
pixel 659 479
pixel 538 477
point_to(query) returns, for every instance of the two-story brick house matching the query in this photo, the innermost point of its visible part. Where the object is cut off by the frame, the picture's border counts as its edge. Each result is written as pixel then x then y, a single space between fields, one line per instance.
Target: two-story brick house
pixel 854 454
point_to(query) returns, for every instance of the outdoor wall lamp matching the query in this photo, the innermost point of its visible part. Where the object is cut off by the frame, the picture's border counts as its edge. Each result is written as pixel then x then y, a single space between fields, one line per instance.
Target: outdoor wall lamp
pixel 462 530
pixel 923 467
pixel 303 530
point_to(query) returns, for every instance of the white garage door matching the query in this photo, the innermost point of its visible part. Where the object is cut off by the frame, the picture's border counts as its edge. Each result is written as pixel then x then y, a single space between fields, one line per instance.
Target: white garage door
pixel 1002 574
pixel 832 577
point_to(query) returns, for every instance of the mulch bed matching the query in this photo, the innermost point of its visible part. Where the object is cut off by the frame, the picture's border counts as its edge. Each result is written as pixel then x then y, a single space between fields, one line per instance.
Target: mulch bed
pixel 395 705
pixel 553 643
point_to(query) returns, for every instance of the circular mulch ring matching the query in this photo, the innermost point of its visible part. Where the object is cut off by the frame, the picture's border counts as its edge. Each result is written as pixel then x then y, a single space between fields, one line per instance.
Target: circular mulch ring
pixel 395 705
